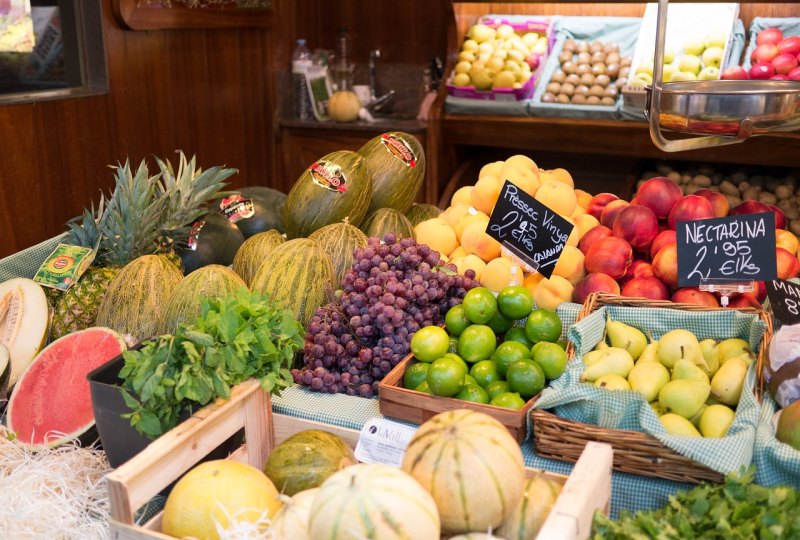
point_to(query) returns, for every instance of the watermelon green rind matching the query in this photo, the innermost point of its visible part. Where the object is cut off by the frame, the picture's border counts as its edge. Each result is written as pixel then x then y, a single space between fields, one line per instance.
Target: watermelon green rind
pixel 252 253
pixel 306 459
pixel 268 210
pixel 420 212
pixel 396 176
pixel 310 206
pixel 299 275
pixel 388 220
pixel 216 243
pixel 52 395
pixel 339 240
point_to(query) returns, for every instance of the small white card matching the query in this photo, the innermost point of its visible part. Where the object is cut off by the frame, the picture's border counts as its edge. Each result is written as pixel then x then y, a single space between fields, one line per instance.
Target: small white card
pixel 383 441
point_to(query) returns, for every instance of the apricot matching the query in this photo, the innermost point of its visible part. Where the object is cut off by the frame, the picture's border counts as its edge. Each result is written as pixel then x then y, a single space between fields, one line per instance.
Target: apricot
pixel 558 197
pixel 474 240
pixel 470 262
pixel 561 175
pixel 552 292
pixel 500 273
pixel 585 223
pixel 458 252
pixel 472 216
pixel 437 234
pixel 584 199
pixel 532 281
pixel 491 169
pixel 484 194
pixel 525 179
pixel 786 240
pixel 453 214
pixel 570 265
pixel 462 196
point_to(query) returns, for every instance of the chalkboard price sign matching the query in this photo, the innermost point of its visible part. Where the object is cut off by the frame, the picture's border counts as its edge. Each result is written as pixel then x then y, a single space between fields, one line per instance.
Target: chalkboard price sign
pixel 528 229
pixel 784 300
pixel 727 248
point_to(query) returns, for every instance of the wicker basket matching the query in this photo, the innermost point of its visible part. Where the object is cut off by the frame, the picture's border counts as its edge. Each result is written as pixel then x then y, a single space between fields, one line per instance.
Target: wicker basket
pixel 634 452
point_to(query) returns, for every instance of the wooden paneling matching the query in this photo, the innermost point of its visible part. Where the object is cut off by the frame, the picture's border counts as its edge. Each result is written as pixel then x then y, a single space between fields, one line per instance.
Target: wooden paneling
pixel 204 91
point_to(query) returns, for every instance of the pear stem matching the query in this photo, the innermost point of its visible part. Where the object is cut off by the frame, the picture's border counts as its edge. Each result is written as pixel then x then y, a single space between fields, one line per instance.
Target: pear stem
pixel 681 352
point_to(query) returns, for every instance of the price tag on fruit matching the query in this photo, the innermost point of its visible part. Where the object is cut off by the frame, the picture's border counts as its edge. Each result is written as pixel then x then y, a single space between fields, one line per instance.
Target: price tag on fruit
pixel 383 441
pixel 726 248
pixel 528 229
pixel 784 300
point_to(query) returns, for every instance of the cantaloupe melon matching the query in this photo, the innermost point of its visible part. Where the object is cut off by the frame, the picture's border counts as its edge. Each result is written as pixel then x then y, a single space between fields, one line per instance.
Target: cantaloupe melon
pixel 339 240
pixel 537 501
pixel 23 322
pixel 291 521
pixel 252 253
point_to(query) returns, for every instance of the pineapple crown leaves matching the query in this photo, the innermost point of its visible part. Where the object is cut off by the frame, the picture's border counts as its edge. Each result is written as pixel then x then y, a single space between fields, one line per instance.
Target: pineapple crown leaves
pixel 186 195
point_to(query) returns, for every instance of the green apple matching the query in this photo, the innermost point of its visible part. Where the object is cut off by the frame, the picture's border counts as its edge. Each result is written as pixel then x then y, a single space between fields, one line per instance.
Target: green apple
pixel 516 55
pixel 461 79
pixel 695 47
pixel 470 45
pixel 709 73
pixel 482 79
pixel 504 79
pixel 486 47
pixel 463 67
pixel 645 67
pixel 484 57
pixel 512 66
pixel 540 47
pixel 683 76
pixel 669 56
pixel 646 78
pixel 530 38
pixel 500 53
pixel 690 63
pixel 716 39
pixel 668 72
pixel 495 64
pixel 481 33
pixel 466 56
pixel 505 31
pixel 712 56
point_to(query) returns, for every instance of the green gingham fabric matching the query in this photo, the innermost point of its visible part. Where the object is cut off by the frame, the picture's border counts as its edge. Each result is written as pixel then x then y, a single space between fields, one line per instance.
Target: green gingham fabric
pixel 27 262
pixel 621 409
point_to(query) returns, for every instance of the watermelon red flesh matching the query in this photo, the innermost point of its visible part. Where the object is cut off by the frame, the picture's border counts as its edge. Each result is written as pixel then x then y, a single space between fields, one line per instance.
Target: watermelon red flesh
pixel 51 403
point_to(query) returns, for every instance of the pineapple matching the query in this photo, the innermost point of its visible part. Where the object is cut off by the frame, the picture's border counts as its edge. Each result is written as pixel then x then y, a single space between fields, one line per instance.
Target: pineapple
pixel 144 215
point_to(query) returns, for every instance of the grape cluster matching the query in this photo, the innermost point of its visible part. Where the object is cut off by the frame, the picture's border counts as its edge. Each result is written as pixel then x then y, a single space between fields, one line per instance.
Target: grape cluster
pixel 393 289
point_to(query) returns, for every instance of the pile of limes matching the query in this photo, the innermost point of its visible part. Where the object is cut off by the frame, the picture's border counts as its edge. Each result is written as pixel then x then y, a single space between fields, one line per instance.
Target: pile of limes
pixel 465 361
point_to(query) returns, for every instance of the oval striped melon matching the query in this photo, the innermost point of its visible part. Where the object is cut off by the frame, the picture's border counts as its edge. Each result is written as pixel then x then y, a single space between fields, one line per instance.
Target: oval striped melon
pixel 299 275
pixel 184 306
pixel 395 162
pixel 538 498
pixel 471 465
pixel 291 521
pixel 378 502
pixel 387 220
pixel 333 188
pixel 339 240
pixel 136 298
pixel 420 212
pixel 255 249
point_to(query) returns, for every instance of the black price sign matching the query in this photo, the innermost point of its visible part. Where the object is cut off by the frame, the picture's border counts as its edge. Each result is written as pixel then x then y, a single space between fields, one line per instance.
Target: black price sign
pixel 784 300
pixel 734 247
pixel 528 229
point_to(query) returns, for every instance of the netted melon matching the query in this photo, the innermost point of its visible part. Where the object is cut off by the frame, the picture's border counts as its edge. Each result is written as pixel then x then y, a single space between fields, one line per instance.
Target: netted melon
pixel 422 212
pixel 137 297
pixel 339 240
pixel 387 220
pixel 255 249
pixel 184 304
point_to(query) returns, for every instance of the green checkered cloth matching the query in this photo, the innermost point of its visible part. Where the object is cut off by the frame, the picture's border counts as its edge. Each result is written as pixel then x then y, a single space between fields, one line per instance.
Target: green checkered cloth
pixel 625 409
pixel 27 262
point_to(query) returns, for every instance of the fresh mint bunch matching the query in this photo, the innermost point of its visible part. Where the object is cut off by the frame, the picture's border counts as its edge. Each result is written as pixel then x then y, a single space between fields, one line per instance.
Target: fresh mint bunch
pixel 235 338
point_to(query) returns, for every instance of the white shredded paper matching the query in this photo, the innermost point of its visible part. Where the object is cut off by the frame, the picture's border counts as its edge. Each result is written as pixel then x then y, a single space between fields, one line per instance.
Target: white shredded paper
pixel 55 494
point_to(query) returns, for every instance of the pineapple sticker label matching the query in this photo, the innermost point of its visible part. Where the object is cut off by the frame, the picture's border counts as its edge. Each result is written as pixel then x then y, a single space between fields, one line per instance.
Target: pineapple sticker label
pixel 399 149
pixel 64 266
pixel 328 175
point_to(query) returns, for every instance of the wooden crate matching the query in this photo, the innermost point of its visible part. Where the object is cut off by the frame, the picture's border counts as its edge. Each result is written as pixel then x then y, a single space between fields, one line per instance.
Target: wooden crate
pixel 417 407
pixel 586 489
pixel 134 483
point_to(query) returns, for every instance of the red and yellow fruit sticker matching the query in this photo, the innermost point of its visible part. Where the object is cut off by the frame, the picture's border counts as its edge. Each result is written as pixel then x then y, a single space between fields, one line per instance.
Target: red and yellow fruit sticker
pixel 399 149
pixel 328 175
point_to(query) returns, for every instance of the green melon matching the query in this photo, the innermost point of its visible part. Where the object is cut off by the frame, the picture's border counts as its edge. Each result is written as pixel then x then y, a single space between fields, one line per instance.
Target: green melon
pixel 395 163
pixel 422 212
pixel 538 498
pixel 306 459
pixel 299 275
pixel 183 306
pixel 334 188
pixel 388 220
pixel 255 249
pixel 253 209
pixel 339 240
pixel 136 298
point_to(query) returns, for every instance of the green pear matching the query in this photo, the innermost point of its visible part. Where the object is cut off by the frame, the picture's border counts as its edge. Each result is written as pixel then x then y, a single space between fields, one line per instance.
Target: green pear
pixel 712 400
pixel 715 421
pixel 614 360
pixel 710 355
pixel 728 348
pixel 684 369
pixel 626 337
pixel 648 378
pixel 602 344
pixel 695 420
pixel 727 383
pixel 656 406
pixel 649 354
pixel 678 425
pixel 684 396
pixel 677 344
pixel 592 356
pixel 612 381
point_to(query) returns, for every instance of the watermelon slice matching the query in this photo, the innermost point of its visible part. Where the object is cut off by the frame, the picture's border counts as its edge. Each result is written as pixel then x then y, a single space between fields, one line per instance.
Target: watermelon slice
pixel 51 403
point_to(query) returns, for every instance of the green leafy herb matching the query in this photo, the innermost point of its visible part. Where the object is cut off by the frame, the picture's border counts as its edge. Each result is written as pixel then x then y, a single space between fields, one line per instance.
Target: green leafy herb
pixel 234 339
pixel 737 509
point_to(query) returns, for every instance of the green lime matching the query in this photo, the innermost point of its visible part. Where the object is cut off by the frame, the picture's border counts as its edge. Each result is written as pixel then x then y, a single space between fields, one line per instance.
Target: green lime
pixel 476 343
pixel 479 305
pixel 423 387
pixel 507 353
pixel 499 324
pixel 551 358
pixel 429 343
pixel 510 400
pixel 474 393
pixel 415 374
pixel 484 372
pixel 446 377
pixel 561 343
pixel 517 333
pixel 543 325
pixel 456 320
pixel 454 356
pixel 496 388
pixel 469 379
pixel 525 377
pixel 453 345
pixel 515 302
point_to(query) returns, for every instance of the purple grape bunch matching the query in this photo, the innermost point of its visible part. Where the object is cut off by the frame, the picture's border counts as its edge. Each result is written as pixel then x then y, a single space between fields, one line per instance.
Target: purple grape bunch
pixel 393 289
